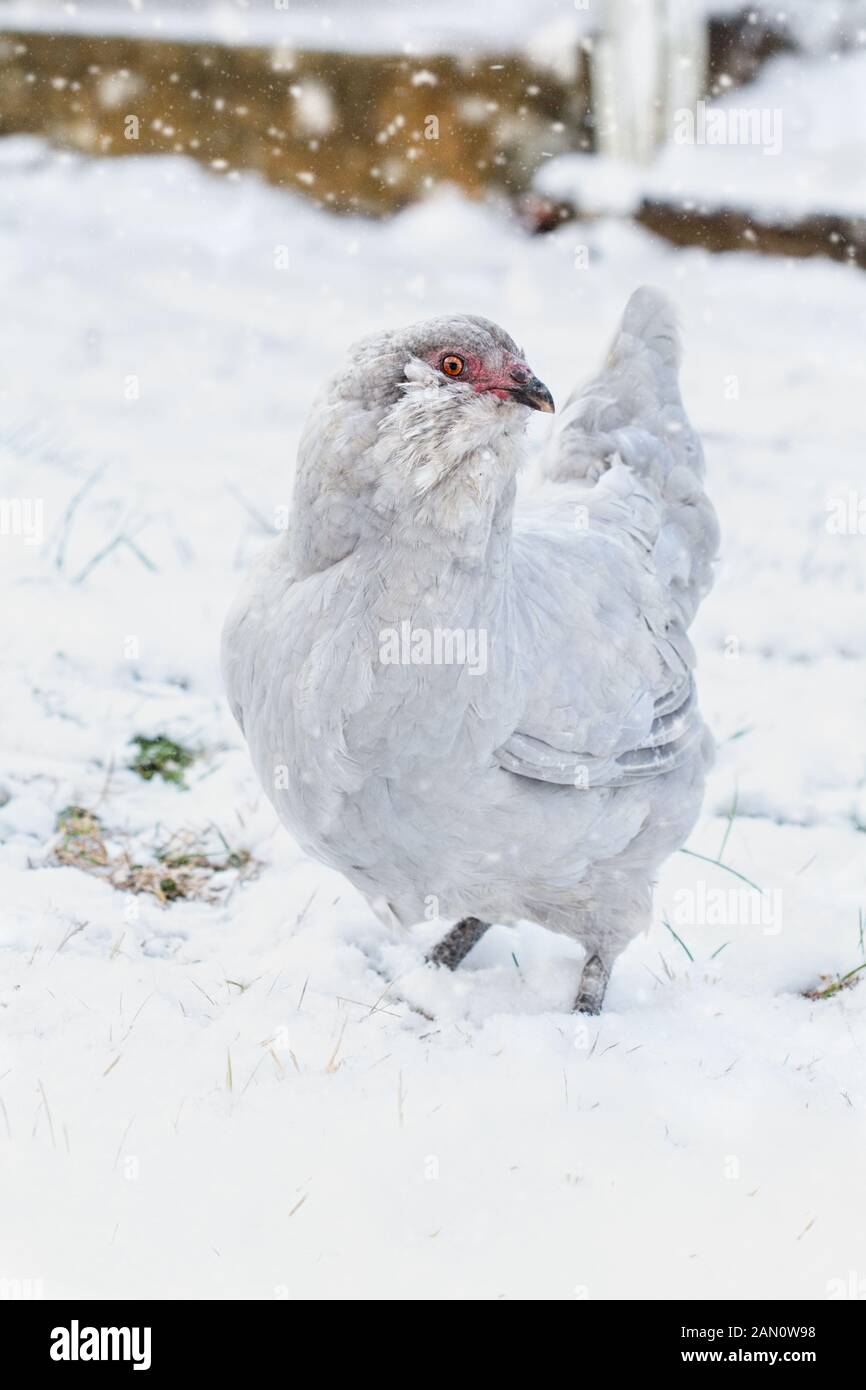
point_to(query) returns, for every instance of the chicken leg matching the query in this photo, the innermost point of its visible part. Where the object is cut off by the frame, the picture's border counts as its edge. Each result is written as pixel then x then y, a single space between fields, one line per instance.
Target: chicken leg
pixel 593 983
pixel 456 945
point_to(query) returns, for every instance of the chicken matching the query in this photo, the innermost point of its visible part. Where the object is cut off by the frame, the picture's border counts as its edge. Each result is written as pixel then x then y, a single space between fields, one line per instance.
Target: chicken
pixel 474 710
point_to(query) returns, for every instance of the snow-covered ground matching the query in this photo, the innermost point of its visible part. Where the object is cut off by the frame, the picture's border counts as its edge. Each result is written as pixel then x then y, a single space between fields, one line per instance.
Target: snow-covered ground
pixel 226 1099
pixel 541 29
pixel 376 26
pixel 789 144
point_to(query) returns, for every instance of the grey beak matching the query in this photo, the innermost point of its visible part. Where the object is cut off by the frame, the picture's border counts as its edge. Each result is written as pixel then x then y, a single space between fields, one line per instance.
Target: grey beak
pixel 535 394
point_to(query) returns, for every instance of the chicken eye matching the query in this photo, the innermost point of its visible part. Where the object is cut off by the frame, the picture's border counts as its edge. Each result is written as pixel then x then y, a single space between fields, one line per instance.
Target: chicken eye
pixel 452 365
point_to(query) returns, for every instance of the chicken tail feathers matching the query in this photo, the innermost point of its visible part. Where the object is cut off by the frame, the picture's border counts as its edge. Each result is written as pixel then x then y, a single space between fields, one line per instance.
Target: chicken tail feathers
pixel 631 413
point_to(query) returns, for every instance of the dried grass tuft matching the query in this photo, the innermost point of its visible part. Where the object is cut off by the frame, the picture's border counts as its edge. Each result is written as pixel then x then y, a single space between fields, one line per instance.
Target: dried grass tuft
pixel 834 984
pixel 190 866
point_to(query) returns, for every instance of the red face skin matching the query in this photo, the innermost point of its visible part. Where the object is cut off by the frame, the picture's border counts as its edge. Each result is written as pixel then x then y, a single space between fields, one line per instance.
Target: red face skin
pixel 499 381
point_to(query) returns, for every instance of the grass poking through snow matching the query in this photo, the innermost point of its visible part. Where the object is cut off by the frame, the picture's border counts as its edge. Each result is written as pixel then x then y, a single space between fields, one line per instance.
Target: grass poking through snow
pixel 835 984
pixel 162 757
pixel 192 865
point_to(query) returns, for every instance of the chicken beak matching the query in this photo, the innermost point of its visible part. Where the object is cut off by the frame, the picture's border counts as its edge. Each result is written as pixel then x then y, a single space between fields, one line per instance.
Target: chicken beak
pixel 535 394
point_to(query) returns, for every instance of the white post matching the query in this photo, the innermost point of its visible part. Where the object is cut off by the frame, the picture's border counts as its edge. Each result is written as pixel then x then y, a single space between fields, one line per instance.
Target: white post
pixel 648 62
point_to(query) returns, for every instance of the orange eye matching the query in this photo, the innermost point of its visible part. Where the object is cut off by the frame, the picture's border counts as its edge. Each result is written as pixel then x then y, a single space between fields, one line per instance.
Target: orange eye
pixel 452 365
